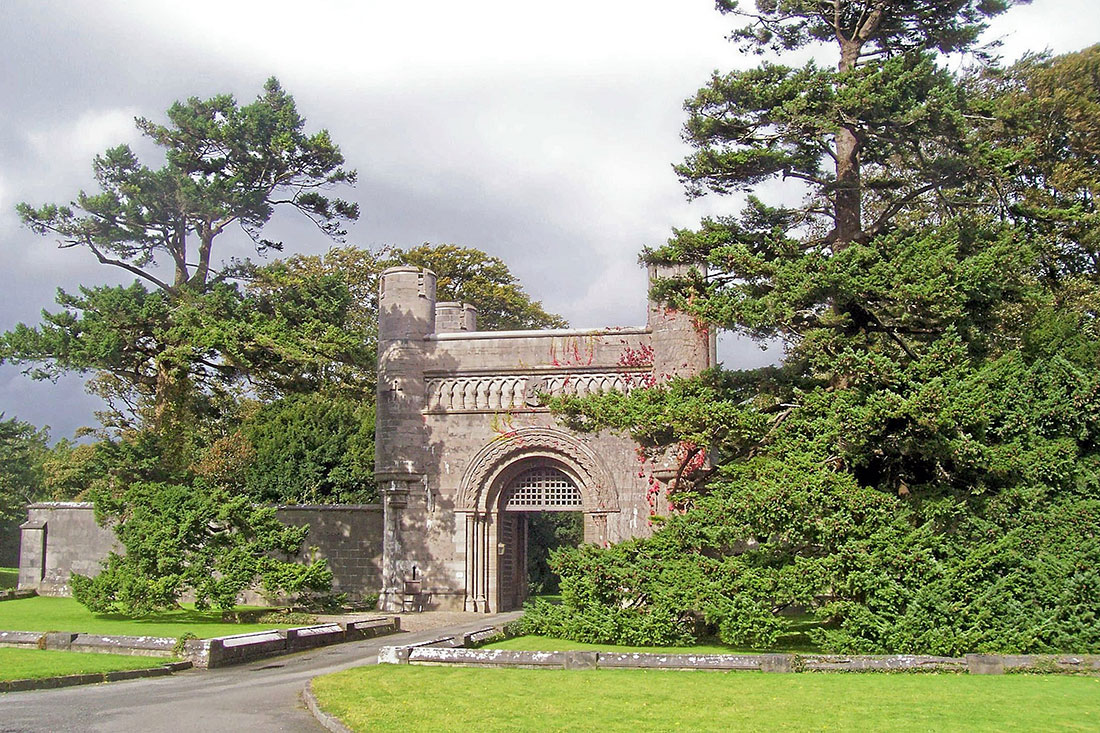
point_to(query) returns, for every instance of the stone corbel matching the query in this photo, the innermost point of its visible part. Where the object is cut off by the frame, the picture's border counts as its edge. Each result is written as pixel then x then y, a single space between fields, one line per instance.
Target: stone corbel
pixel 397 483
pixel 396 493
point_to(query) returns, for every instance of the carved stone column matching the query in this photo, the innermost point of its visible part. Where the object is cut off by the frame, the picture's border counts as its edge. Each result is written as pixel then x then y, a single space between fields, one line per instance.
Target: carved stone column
pixel 477 562
pixel 396 566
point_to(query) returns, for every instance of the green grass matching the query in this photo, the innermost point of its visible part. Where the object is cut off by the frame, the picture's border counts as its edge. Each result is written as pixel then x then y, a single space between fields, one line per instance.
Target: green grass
pixel 8 577
pixel 65 614
pixel 386 698
pixel 19 664
pixel 554 598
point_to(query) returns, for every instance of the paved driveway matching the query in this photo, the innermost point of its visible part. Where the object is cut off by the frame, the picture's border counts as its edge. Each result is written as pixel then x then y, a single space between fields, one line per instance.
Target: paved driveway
pixel 264 696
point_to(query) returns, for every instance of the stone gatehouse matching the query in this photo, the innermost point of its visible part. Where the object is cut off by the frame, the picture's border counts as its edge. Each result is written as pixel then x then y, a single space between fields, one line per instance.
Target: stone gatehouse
pixel 465 450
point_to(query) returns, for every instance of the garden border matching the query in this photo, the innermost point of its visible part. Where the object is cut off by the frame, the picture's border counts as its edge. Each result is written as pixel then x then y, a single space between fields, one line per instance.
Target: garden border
pixel 70 680
pixel 327 720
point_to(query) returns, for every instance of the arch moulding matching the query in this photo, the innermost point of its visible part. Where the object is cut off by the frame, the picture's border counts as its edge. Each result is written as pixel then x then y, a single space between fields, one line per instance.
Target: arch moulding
pixel 503 453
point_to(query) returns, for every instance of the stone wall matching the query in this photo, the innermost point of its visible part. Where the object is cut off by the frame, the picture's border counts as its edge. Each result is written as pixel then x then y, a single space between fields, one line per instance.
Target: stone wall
pixel 61 538
pixel 349 536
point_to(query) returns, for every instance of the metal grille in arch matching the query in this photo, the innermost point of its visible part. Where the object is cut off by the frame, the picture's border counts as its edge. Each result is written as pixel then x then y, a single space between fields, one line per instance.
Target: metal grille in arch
pixel 543 489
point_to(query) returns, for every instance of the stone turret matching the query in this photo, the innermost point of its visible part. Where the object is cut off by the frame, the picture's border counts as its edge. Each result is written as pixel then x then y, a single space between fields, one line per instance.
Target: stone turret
pixel 681 345
pixel 455 317
pixel 406 303
pixel 406 315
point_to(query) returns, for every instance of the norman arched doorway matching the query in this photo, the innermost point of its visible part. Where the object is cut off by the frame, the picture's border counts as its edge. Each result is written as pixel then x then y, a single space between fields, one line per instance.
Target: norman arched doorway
pixel 535 469
pixel 540 488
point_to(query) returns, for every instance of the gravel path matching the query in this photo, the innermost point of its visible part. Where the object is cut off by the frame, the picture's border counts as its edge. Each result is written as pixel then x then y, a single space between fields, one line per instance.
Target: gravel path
pixel 412 622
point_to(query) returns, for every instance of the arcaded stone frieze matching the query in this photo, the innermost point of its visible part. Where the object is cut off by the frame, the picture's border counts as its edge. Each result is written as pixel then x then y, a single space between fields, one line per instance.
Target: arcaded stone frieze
pixel 548 333
pixel 494 393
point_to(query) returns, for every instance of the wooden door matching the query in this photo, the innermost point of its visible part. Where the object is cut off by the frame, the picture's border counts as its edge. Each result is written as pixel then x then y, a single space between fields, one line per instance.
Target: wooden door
pixel 512 571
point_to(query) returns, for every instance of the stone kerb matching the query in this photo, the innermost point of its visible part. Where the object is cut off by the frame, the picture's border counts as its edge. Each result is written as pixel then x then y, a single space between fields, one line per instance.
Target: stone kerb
pixel 744 662
pixel 240 648
pixel 309 637
pixel 400 654
pixel 22 639
pixel 139 646
pixel 210 653
pixel 436 653
pixel 70 680
pixel 1008 663
pixel 500 658
pixel 880 663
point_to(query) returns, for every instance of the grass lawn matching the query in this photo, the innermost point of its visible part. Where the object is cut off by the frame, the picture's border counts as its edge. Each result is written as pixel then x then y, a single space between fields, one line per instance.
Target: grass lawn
pixel 386 697
pixel 8 577
pixel 65 614
pixel 19 664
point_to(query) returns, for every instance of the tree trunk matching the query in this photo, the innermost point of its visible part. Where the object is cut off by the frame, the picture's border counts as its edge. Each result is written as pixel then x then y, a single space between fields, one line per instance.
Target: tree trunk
pixel 170 398
pixel 848 203
pixel 202 269
pixel 848 196
pixel 847 207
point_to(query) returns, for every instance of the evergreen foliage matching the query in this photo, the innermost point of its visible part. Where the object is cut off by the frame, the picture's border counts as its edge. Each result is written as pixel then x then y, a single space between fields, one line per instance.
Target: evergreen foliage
pixel 923 469
pixel 22 447
pixel 225 164
pixel 200 539
pixel 312 449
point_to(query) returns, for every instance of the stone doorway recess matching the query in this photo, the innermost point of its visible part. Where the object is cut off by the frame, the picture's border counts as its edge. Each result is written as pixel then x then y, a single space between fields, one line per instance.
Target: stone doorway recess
pixel 497 539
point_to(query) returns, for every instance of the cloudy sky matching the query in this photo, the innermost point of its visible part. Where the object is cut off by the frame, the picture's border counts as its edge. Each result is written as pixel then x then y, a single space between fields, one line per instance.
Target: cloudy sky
pixel 542 133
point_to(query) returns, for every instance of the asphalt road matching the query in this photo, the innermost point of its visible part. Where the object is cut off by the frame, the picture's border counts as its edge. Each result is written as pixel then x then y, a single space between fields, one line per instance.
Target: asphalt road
pixel 264 696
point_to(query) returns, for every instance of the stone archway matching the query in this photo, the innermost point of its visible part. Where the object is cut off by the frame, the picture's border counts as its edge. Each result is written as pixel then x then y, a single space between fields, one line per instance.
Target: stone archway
pixel 493 534
pixel 539 486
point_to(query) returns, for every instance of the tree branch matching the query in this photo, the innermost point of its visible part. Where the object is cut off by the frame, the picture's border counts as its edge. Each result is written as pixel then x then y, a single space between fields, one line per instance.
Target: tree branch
pixel 103 259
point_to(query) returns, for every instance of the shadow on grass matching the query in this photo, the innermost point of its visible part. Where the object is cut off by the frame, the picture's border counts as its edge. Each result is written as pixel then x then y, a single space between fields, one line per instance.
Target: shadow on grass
pixel 65 614
pixel 8 578
pixel 795 640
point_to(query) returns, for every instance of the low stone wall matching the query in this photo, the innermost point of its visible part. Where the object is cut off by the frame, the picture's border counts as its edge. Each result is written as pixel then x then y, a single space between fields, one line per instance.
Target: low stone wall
pixel 62 538
pixel 450 651
pixel 70 680
pixel 223 651
pixel 243 648
pixel 135 646
pixel 138 646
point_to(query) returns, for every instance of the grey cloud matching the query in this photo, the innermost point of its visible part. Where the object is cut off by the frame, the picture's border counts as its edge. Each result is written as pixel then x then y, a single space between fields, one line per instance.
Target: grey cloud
pixel 560 169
